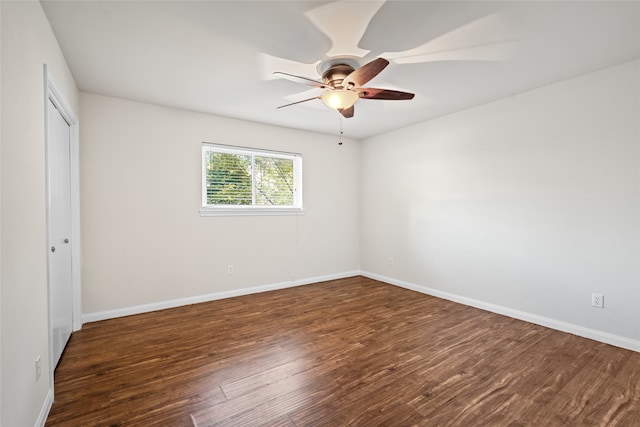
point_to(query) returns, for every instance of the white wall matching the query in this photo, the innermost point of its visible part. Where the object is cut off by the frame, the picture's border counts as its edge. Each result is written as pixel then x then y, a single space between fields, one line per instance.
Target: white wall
pixel 526 205
pixel 27 44
pixel 143 239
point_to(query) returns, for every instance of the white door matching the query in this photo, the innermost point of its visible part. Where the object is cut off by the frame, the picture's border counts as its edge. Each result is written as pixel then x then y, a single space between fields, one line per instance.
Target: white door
pixel 61 285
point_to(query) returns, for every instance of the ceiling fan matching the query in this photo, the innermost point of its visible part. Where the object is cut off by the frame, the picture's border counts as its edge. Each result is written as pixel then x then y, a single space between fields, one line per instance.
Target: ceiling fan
pixel 342 84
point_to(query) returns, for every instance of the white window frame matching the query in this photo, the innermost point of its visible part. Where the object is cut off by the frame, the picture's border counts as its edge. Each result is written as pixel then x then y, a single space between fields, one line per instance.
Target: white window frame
pixel 233 210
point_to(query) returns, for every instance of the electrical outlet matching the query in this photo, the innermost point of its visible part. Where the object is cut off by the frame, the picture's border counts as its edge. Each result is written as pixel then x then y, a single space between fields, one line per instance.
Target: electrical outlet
pixel 391 260
pixel 597 300
pixel 38 367
pixel 293 277
pixel 230 269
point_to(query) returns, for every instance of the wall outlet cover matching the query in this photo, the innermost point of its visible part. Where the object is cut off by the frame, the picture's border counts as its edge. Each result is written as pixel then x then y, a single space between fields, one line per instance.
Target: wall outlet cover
pixel 597 300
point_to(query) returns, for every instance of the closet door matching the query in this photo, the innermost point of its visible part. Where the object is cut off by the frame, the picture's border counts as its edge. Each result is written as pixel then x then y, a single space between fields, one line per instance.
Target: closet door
pixel 60 277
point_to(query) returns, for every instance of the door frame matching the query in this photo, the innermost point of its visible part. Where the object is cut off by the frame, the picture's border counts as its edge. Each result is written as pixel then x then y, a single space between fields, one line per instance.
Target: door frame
pixel 53 94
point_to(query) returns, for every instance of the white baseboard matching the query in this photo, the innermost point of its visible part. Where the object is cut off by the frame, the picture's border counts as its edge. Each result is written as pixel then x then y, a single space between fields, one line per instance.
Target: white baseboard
pixel 145 308
pixel 46 407
pixel 605 337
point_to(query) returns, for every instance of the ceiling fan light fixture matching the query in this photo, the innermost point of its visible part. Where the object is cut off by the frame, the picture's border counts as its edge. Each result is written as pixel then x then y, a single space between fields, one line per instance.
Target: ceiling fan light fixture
pixel 339 99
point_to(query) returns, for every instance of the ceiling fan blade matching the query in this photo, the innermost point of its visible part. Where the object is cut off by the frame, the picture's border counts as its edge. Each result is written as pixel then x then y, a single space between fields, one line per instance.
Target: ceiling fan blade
pixel 347 112
pixel 303 80
pixel 298 102
pixel 365 73
pixel 373 93
pixel 267 64
pixel 486 38
pixel 344 23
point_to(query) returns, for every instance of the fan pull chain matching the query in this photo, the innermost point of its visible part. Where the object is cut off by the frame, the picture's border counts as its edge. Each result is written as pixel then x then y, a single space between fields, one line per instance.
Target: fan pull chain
pixel 341 132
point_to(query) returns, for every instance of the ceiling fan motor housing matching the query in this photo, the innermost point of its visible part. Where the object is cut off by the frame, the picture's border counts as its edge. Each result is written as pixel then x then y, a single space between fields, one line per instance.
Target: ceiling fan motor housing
pixel 336 74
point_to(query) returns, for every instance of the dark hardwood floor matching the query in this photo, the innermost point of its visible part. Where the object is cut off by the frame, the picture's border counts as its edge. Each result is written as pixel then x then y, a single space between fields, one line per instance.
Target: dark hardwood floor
pixel 346 352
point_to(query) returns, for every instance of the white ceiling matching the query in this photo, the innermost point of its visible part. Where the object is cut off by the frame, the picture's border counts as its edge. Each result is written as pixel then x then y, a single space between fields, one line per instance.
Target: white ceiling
pixel 218 57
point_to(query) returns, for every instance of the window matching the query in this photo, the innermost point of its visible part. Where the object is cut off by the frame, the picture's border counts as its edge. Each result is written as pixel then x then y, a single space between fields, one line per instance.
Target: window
pixel 242 181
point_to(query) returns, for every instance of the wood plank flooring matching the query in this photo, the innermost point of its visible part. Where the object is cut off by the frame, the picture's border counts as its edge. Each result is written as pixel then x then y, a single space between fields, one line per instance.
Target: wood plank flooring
pixel 351 352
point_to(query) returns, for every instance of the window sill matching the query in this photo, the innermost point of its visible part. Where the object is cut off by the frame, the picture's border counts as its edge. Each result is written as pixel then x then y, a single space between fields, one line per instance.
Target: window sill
pixel 250 211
